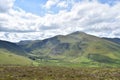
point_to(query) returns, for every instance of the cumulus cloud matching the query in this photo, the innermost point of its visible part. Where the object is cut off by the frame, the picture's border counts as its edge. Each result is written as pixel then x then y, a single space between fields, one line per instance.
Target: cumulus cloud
pixel 18 21
pixel 92 17
pixel 50 3
pixel 62 4
pixel 6 5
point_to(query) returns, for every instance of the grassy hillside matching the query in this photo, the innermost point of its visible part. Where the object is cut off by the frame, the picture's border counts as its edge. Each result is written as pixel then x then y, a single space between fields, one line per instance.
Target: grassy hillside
pixel 12 47
pixel 8 58
pixel 12 54
pixel 78 47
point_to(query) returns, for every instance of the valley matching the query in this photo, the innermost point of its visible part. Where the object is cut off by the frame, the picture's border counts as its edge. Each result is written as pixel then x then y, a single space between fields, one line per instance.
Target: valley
pixel 77 49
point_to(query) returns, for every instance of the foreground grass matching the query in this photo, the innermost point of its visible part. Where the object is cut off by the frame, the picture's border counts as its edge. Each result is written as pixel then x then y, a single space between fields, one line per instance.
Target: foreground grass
pixel 58 73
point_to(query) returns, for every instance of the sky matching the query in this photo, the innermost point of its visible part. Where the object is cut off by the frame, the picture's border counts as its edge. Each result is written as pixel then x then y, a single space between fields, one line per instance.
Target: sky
pixel 40 19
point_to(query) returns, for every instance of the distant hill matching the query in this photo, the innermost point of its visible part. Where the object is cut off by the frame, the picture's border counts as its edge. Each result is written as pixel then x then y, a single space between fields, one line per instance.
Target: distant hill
pixel 12 54
pixel 12 47
pixel 116 40
pixel 77 47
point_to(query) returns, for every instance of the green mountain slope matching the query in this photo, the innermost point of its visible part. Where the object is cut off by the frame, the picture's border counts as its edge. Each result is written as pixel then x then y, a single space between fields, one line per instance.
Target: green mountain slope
pixel 77 47
pixel 12 47
pixel 10 54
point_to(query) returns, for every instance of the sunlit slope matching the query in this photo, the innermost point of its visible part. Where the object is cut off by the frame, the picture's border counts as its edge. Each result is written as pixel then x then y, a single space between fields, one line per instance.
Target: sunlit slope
pixel 11 54
pixel 8 58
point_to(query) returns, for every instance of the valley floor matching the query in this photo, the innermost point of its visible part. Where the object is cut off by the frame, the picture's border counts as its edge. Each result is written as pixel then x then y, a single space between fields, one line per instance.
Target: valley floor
pixel 57 73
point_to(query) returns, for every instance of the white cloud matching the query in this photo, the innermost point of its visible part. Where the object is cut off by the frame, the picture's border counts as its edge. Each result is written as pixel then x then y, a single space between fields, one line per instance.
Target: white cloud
pixel 91 17
pixel 62 4
pixel 6 5
pixel 18 21
pixel 50 3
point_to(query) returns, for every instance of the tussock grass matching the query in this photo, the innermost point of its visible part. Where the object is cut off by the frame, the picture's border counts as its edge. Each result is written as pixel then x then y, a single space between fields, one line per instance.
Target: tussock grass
pixel 57 73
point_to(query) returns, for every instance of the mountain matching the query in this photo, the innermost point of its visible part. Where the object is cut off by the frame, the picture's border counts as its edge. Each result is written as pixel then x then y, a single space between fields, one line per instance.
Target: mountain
pixel 12 54
pixel 76 48
pixel 12 47
pixel 116 40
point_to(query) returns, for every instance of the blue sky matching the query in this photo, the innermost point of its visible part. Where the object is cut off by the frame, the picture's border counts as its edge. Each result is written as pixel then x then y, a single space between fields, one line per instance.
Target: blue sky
pixel 40 19
pixel 35 6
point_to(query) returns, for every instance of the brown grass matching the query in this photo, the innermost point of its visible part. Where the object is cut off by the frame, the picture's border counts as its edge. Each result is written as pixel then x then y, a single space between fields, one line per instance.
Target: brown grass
pixel 58 73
